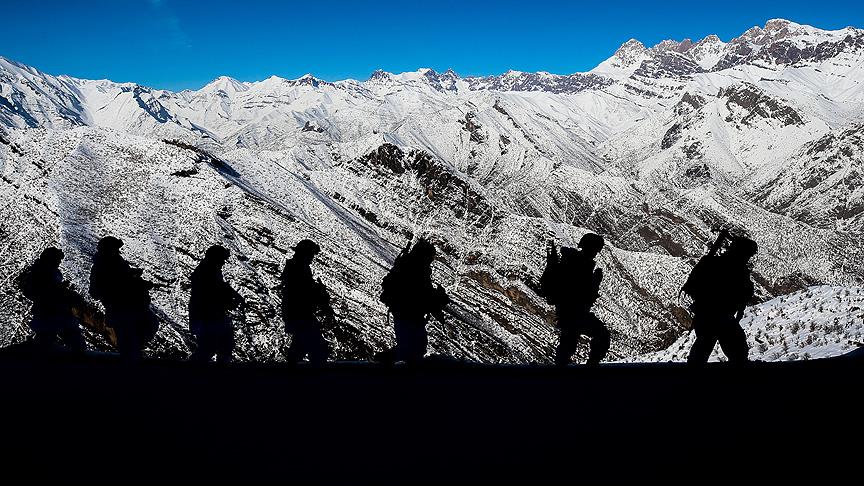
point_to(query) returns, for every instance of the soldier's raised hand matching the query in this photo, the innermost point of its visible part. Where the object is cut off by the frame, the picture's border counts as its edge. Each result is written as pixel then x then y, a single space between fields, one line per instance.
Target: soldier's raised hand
pixel 551 252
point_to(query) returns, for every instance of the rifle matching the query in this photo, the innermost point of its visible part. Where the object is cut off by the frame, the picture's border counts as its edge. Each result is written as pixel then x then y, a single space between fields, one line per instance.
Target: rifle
pixel 718 243
pixel 688 284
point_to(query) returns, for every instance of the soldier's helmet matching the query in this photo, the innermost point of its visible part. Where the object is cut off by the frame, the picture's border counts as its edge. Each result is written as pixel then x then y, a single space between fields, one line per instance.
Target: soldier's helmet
pixel 591 243
pixel 306 247
pixel 743 247
pixel 423 250
pixel 109 243
pixel 51 256
pixel 217 253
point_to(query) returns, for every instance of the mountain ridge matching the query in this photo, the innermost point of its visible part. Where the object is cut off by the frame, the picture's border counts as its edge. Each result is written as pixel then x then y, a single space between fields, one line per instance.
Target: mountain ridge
pixel 490 169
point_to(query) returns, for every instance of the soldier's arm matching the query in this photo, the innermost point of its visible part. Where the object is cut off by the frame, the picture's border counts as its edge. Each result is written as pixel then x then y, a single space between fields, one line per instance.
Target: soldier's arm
pixel 438 315
pixel 724 233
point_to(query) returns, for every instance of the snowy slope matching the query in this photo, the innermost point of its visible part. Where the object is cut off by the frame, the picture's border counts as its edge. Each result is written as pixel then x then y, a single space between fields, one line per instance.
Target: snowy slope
pixel 818 322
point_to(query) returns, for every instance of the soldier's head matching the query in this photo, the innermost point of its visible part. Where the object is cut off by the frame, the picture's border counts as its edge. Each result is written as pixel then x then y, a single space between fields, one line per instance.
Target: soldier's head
pixel 742 249
pixel 217 254
pixel 305 251
pixel 51 257
pixel 423 252
pixel 591 244
pixel 109 244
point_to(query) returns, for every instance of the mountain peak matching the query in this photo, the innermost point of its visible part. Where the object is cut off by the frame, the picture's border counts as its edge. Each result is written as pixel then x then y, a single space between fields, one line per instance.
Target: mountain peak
pixel 631 45
pixel 708 51
pixel 379 75
pixel 225 84
pixel 625 61
pixel 709 39
pixel 630 52
pixel 673 45
pixel 777 24
pixel 308 80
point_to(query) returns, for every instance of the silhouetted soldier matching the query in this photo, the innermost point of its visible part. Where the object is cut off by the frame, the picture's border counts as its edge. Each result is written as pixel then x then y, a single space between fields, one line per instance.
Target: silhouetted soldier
pixel 303 300
pixel 52 300
pixel 572 284
pixel 407 290
pixel 720 287
pixel 210 299
pixel 126 297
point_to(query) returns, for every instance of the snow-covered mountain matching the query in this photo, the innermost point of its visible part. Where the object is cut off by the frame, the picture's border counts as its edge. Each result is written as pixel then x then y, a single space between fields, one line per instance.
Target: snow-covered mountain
pixel 652 149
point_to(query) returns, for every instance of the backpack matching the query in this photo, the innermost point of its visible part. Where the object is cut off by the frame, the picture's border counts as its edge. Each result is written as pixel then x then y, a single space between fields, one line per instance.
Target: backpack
pixel 568 279
pixel 24 282
pixel 548 284
pixel 391 286
pixel 697 282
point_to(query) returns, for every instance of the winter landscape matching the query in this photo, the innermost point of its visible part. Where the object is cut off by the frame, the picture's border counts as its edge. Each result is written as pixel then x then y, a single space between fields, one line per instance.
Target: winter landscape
pixel 654 149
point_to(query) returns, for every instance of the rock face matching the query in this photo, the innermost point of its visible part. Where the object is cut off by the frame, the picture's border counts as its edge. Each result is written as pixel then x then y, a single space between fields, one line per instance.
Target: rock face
pixel 823 184
pixel 652 149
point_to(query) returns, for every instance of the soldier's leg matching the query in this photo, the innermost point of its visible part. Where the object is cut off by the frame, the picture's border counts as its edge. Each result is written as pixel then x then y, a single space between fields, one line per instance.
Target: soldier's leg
pixel 46 331
pixel 128 338
pixel 296 352
pixel 225 348
pixel 411 339
pixel 125 343
pixel 44 336
pixel 706 339
pixel 319 350
pixel 568 339
pixel 595 329
pixel 402 329
pixel 45 340
pixel 70 333
pixel 733 341
pixel 204 348
pixel 148 327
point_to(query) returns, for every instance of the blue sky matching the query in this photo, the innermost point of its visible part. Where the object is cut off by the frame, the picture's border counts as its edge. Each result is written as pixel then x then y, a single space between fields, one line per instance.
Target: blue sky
pixel 177 44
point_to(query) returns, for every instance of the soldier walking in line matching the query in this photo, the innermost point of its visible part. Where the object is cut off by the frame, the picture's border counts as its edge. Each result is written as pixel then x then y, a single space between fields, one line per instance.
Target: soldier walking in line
pixel 305 302
pixel 210 299
pixel 52 300
pixel 411 296
pixel 126 297
pixel 721 288
pixel 571 283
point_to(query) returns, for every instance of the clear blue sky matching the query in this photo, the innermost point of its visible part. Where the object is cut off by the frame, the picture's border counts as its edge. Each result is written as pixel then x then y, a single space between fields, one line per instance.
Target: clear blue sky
pixel 178 44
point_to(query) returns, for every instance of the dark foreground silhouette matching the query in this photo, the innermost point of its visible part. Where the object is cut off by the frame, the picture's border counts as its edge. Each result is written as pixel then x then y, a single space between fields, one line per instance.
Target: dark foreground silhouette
pixel 53 323
pixel 571 283
pixel 411 297
pixel 210 299
pixel 305 304
pixel 351 423
pixel 126 297
pixel 721 288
